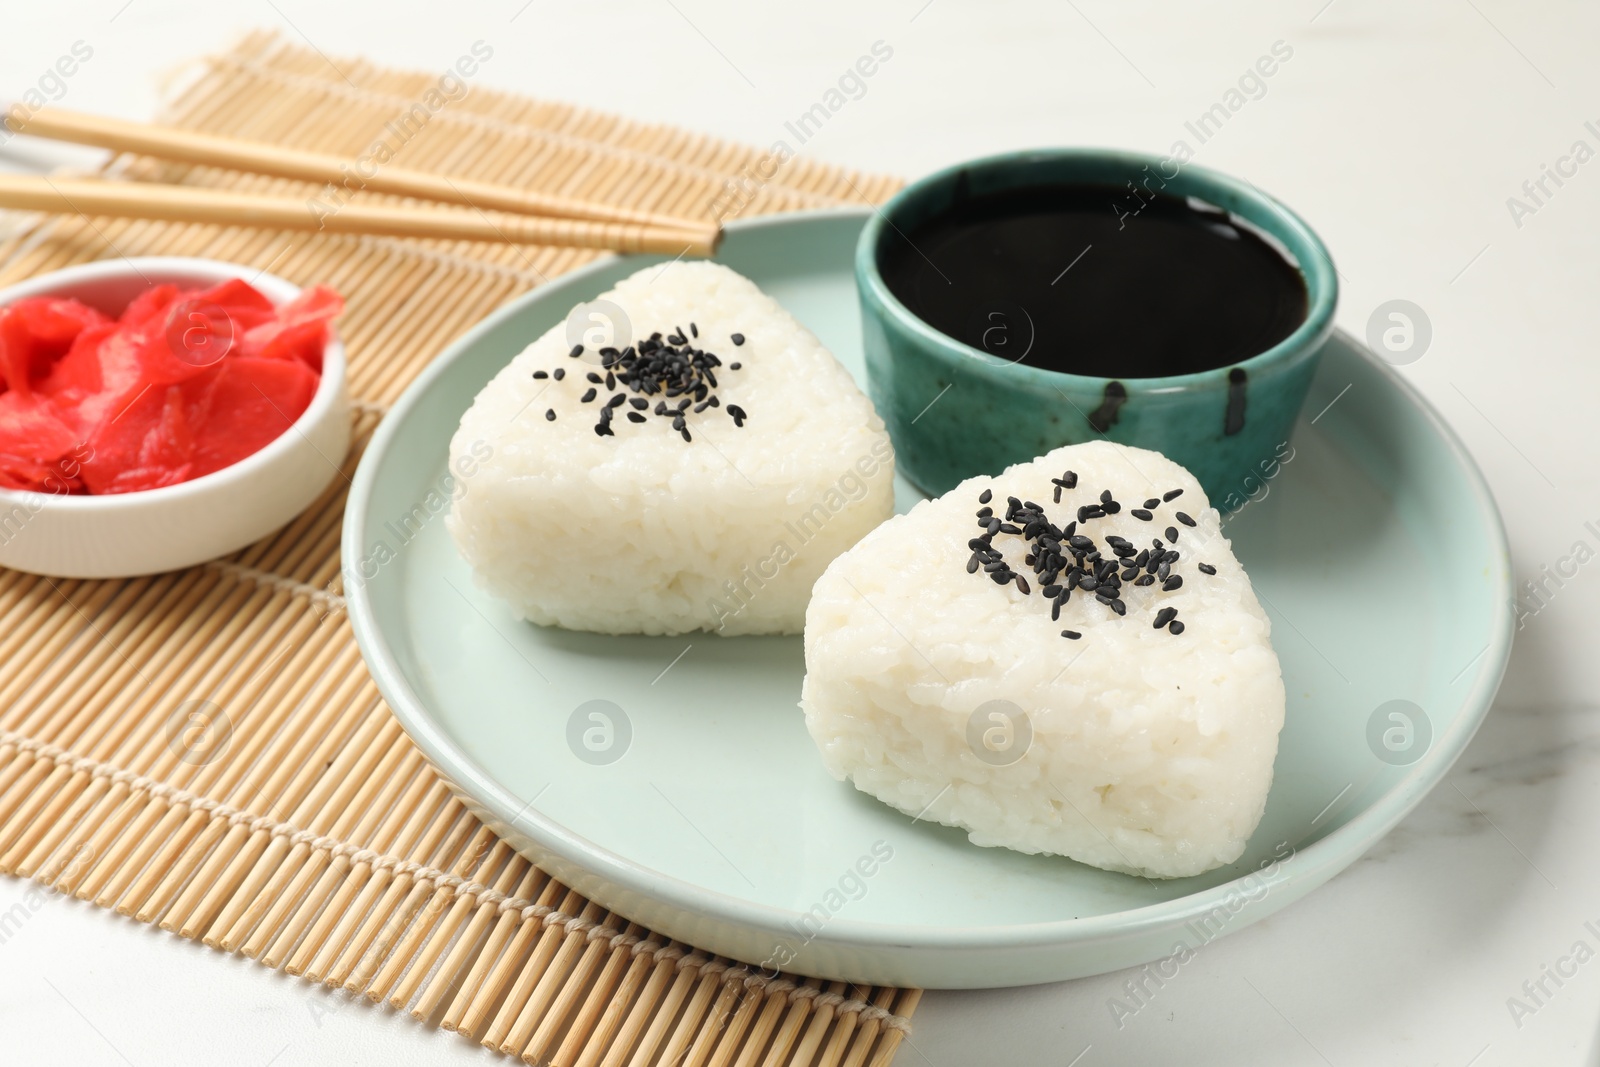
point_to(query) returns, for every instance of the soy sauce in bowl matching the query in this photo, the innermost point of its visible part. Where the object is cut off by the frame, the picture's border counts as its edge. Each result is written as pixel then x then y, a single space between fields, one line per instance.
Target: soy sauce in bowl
pixel 1088 280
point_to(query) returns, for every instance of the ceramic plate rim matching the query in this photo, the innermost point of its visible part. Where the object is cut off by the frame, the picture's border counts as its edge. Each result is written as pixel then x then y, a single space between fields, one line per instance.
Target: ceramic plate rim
pixel 463 773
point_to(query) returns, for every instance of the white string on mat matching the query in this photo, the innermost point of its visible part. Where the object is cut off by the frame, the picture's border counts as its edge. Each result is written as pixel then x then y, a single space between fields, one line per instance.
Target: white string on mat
pixel 424 875
pixel 415 250
pixel 330 602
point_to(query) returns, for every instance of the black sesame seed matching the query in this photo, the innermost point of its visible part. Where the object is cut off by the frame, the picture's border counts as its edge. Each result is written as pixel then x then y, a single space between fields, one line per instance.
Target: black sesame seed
pixel 1119 607
pixel 550 415
pixel 1172 494
pixel 973 564
pixel 1186 520
pixel 1071 479
pixel 1172 533
pixel 559 373
pixel 587 396
pixel 639 402
pixel 611 380
pixel 593 377
pixel 735 366
pixel 737 339
pixel 1112 507
pixel 686 436
pixel 1206 568
pixel 1147 579
pixel 1172 583
pixel 985 496
pixel 616 401
pixel 541 374
pixel 1164 616
pixel 577 350
pixel 1176 628
pixel 694 331
pixel 634 416
pixel 1141 513
pixel 1153 502
pixel 1071 635
pixel 1022 585
pixel 1105 496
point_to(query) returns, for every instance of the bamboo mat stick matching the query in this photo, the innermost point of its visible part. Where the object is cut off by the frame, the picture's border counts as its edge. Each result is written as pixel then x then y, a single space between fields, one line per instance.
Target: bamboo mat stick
pixel 447 979
pixel 523 1008
pixel 694 1017
pixel 431 903
pixel 405 986
pixel 530 1024
pixel 365 882
pixel 376 775
pixel 367 944
pixel 589 994
pixel 514 981
pixel 658 1007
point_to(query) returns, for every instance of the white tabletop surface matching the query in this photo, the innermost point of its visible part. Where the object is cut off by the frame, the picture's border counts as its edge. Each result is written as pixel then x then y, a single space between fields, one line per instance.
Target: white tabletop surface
pixel 1400 130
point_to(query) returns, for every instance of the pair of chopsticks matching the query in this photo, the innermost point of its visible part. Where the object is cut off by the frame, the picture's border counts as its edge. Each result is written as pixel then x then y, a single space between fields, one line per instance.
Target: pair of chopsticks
pixel 500 212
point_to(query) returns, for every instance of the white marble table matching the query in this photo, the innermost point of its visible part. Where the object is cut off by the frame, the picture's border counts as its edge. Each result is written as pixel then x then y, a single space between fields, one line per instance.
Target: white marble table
pixel 1400 130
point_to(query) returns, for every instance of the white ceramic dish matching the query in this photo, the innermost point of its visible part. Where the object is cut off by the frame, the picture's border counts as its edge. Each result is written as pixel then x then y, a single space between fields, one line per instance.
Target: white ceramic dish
pixel 178 525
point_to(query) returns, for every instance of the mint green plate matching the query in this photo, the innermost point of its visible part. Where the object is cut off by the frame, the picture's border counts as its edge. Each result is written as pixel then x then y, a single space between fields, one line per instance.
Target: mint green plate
pixel 1376 549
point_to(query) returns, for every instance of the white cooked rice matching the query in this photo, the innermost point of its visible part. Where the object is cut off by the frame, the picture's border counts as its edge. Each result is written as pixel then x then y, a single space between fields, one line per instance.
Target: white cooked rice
pixel 1151 753
pixel 643 532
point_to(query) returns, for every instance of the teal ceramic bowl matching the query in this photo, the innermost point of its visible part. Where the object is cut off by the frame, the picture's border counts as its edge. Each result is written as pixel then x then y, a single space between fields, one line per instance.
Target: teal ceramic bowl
pixel 955 411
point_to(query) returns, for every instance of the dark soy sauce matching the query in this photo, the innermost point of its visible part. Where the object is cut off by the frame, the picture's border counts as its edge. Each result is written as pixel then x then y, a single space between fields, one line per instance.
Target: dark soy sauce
pixel 1089 280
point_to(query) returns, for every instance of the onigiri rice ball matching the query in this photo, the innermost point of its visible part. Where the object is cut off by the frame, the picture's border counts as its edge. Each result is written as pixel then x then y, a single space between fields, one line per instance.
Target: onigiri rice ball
pixel 695 470
pixel 939 678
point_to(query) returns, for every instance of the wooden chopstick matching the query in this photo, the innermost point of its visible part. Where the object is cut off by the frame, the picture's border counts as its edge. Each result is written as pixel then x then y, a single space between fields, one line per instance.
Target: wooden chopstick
pixel 189 146
pixel 185 203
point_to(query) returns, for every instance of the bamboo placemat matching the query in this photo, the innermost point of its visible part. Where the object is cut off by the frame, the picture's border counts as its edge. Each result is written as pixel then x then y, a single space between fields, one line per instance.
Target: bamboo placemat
pixel 204 749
